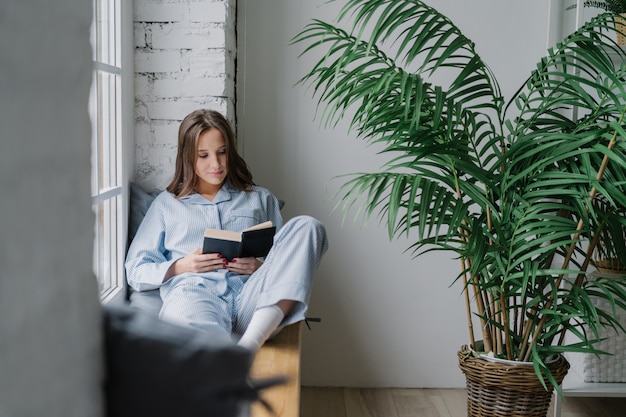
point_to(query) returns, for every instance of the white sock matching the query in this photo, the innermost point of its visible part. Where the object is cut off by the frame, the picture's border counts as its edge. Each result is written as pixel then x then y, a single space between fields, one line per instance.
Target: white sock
pixel 264 321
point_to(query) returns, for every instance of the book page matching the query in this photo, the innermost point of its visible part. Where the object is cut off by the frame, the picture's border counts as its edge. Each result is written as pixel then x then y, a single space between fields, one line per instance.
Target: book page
pixel 263 225
pixel 223 234
pixel 234 236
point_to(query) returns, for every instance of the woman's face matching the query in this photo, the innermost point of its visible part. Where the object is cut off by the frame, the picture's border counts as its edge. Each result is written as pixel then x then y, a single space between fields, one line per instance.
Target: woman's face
pixel 212 161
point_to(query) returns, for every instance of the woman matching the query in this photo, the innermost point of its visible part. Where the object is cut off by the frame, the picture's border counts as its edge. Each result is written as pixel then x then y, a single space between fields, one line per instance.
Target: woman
pixel 212 188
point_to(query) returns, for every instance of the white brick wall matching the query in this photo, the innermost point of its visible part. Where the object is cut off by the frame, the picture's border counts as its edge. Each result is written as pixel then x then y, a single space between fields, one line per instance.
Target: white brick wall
pixel 184 60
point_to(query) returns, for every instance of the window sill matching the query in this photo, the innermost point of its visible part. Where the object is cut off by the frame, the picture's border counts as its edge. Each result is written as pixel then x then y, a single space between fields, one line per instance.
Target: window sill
pixel 115 295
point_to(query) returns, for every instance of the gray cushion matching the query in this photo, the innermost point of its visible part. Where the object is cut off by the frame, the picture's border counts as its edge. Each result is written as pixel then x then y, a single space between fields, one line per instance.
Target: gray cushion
pixel 140 201
pixel 146 301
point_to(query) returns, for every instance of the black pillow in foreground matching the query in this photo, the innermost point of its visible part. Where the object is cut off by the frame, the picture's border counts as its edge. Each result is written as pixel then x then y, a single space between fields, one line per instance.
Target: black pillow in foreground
pixel 158 369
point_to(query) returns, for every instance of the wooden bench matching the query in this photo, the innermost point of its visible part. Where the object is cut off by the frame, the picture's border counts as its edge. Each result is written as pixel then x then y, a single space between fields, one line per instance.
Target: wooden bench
pixel 280 356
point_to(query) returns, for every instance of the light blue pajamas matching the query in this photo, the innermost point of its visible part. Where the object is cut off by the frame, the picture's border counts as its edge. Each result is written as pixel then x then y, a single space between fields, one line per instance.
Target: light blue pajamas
pixel 222 301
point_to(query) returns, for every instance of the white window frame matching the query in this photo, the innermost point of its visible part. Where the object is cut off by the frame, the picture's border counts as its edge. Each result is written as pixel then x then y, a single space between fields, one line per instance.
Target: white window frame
pixel 111 107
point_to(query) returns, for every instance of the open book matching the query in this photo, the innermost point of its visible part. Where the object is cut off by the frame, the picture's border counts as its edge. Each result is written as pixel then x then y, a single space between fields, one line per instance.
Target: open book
pixel 255 241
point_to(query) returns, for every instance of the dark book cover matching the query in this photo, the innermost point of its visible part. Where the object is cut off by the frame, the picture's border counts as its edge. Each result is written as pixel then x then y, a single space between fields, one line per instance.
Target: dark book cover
pixel 253 242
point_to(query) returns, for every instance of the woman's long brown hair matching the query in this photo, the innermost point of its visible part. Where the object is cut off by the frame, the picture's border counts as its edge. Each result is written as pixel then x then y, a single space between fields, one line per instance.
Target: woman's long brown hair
pixel 191 128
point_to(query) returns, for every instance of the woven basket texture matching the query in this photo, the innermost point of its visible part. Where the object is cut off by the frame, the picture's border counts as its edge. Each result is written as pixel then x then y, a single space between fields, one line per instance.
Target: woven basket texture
pixel 497 389
pixel 607 368
pixel 620 26
pixel 613 266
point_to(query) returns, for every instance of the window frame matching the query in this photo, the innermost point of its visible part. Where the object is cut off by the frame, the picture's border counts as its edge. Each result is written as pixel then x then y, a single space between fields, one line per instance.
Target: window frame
pixel 111 108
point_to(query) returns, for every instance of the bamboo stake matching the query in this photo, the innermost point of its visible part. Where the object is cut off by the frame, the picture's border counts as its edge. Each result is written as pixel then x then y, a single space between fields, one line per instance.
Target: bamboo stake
pixel 526 336
pixel 489 317
pixel 480 306
pixel 495 331
pixel 522 316
pixel 491 306
pixel 580 278
pixel 468 306
pixel 507 338
pixel 516 316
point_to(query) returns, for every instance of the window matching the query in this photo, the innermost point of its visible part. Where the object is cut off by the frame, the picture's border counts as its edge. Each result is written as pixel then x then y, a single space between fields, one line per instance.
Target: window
pixel 111 141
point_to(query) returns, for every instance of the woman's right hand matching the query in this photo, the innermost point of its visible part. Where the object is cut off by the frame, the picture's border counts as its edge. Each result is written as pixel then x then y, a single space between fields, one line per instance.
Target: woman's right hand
pixel 197 262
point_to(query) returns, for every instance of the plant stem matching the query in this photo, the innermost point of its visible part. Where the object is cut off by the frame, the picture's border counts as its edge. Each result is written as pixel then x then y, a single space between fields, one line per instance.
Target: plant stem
pixel 468 306
pixel 507 339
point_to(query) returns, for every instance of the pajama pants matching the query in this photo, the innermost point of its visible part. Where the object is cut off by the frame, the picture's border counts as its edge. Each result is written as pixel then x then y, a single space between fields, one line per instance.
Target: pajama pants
pixel 225 306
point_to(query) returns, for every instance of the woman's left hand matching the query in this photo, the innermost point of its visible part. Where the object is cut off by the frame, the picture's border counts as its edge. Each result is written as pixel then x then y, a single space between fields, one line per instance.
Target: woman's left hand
pixel 243 266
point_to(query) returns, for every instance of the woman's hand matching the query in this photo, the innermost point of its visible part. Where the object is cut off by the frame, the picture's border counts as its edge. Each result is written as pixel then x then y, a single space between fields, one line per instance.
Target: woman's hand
pixel 244 266
pixel 196 262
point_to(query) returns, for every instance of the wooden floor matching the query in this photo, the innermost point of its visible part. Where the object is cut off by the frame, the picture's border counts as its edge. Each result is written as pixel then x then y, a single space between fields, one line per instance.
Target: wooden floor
pixel 384 402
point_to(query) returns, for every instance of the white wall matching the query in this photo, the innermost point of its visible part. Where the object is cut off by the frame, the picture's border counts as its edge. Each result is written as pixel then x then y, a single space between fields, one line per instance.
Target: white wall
pixel 50 317
pixel 387 320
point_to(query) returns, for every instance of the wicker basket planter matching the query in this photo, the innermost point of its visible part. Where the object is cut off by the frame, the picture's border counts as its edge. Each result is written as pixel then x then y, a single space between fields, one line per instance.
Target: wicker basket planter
pixel 610 266
pixel 503 389
pixel 620 27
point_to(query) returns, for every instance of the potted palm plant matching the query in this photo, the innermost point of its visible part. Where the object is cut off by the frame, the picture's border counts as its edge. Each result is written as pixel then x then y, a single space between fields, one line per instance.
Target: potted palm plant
pixel 509 187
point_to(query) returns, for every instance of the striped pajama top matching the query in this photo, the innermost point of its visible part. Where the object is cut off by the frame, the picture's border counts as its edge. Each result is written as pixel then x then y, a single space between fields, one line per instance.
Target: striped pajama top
pixel 173 228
